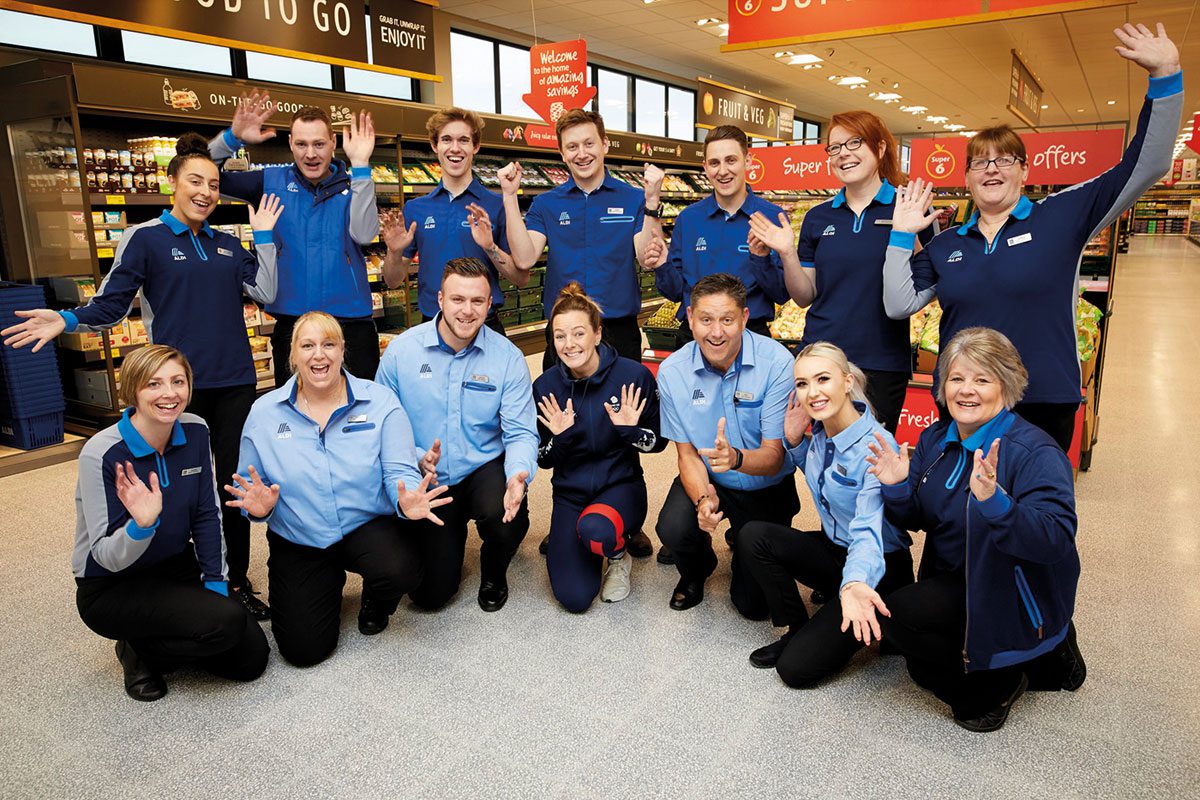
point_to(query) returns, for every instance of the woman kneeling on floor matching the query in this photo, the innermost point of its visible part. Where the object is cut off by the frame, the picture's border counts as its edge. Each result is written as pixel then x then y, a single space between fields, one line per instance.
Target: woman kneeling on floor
pixel 342 450
pixel 596 413
pixel 857 556
pixel 991 613
pixel 149 559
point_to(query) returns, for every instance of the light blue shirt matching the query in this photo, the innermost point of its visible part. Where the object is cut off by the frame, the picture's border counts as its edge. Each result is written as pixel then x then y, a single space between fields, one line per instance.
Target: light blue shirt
pixel 751 395
pixel 478 401
pixel 331 482
pixel 848 497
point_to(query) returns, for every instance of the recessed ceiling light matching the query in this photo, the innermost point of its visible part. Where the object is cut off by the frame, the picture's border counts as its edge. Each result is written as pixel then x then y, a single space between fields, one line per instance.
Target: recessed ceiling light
pixel 1112 102
pixel 805 58
pixel 968 134
pixel 1044 106
pixel 886 97
pixel 954 127
pixel 784 54
pixel 1079 110
pixel 896 85
pixel 852 80
pixel 913 109
pixel 937 119
pixel 707 20
pixel 835 77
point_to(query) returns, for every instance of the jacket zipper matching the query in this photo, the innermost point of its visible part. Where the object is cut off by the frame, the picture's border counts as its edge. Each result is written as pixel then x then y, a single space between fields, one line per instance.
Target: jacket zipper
pixel 1031 607
pixel 967 584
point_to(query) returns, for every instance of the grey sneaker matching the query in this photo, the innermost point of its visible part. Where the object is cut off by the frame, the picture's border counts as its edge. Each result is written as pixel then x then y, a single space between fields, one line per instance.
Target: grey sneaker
pixel 616 580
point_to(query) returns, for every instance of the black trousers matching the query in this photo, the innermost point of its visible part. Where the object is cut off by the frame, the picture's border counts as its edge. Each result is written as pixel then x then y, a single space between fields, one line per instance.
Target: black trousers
pixel 478 497
pixel 1056 419
pixel 777 556
pixel 225 410
pixel 171 620
pixel 622 333
pixel 886 391
pixel 759 326
pixel 927 626
pixel 694 557
pixel 362 346
pixel 306 583
pixel 492 322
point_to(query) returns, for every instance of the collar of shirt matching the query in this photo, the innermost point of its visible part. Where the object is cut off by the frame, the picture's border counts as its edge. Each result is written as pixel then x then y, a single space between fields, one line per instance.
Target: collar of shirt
pixel 981 439
pixel 846 439
pixel 293 387
pixel 709 207
pixel 134 441
pixel 335 167
pixel 609 182
pixel 475 188
pixel 433 338
pixel 884 197
pixel 1021 211
pixel 745 358
pixel 180 228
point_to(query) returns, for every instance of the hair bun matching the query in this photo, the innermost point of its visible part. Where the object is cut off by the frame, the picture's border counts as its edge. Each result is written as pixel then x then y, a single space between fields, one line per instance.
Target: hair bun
pixel 572 289
pixel 191 143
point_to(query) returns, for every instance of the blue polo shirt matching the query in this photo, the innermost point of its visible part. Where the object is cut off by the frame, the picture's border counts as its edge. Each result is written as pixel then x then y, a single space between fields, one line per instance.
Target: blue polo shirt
pixel 443 233
pixel 847 252
pixel 706 241
pixel 590 236
pixel 848 497
pixel 331 481
pixel 751 395
pixel 478 401
pixel 1025 283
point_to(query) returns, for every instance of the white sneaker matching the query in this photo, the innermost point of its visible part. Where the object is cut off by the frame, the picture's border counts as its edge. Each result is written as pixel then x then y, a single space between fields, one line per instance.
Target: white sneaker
pixel 616 580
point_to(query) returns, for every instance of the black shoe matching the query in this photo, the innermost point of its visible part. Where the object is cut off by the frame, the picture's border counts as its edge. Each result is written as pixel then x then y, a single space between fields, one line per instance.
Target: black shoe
pixel 994 720
pixel 1060 669
pixel 638 545
pixel 249 600
pixel 665 556
pixel 819 598
pixel 544 547
pixel 1074 670
pixel 371 619
pixel 687 594
pixel 767 656
pixel 141 682
pixel 493 594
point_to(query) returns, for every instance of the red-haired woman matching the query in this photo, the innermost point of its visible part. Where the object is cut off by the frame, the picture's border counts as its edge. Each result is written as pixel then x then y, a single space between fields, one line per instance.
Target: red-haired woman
pixel 842 247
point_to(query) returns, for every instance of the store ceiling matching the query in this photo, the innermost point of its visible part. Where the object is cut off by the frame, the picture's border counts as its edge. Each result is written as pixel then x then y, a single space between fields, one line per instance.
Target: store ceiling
pixel 959 72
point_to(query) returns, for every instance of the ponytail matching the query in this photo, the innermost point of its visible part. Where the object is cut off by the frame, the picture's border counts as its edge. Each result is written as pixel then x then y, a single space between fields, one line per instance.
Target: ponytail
pixel 189 146
pixel 573 298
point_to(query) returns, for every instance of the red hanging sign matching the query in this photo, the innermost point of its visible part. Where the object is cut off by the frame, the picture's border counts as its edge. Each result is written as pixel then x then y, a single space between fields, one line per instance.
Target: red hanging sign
pixel 557 83
pixel 794 168
pixel 1193 143
pixel 1054 158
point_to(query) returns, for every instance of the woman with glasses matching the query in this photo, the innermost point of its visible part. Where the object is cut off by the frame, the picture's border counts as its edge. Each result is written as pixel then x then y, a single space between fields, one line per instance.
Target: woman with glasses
pixel 842 246
pixel 1014 265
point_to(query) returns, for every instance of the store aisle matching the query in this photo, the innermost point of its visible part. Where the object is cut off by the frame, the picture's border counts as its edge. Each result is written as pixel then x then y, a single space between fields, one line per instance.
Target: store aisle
pixel 633 699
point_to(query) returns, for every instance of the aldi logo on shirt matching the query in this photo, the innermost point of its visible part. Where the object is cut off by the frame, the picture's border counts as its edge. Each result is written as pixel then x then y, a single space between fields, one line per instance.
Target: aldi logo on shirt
pixel 292 187
pixel 701 246
pixel 426 371
pixel 284 432
pixel 698 398
pixel 564 218
pixel 177 254
pixel 430 222
pixel 954 257
pixel 830 230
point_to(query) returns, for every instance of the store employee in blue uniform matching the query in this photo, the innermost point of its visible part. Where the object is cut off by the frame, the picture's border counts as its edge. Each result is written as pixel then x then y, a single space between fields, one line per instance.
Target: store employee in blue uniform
pixel 330 214
pixel 468 391
pixel 458 219
pixel 723 397
pixel 594 224
pixel 1014 265
pixel 713 235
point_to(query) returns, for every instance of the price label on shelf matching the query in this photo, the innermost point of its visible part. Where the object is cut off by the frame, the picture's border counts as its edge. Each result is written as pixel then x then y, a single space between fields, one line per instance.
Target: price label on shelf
pixel 105 252
pixel 115 199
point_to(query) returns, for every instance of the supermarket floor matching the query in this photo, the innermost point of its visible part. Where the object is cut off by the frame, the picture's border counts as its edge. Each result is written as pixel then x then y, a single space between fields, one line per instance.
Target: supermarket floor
pixel 636 700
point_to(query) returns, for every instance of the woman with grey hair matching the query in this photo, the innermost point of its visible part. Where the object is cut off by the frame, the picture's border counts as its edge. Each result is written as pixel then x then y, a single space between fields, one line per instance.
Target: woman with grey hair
pixel 990 614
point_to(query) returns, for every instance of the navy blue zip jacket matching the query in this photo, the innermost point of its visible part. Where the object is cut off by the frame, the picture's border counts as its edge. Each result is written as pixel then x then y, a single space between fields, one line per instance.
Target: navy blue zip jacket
pixel 1018 547
pixel 594 454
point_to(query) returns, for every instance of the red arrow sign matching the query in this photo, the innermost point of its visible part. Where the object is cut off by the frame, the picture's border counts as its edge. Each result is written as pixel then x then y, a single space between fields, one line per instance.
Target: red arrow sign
pixel 1193 144
pixel 558 79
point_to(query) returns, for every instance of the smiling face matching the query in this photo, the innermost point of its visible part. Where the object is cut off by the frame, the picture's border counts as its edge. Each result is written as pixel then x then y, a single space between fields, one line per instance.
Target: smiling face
pixel 165 395
pixel 725 166
pixel 465 303
pixel 317 358
pixel 717 324
pixel 575 341
pixel 197 187
pixel 821 387
pixel 312 144
pixel 973 396
pixel 583 150
pixel 996 189
pixel 853 167
pixel 455 149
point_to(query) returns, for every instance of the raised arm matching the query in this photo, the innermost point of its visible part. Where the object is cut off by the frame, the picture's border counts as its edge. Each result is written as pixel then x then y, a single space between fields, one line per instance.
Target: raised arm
pixel 358 142
pixel 260 278
pixel 525 243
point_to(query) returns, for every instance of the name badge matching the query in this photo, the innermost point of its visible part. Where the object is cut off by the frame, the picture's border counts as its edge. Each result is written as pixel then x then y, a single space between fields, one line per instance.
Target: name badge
pixel 743 395
pixel 221 251
pixel 616 211
pixel 840 469
pixel 481 379
pixel 357 418
pixel 883 222
pixel 1022 239
pixel 191 471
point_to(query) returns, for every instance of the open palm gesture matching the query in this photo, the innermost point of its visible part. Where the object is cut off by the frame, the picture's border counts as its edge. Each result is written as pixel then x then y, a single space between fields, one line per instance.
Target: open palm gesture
pixel 252 112
pixel 394 233
pixel 1158 55
pixel 554 418
pixel 267 214
pixel 632 406
pixel 890 466
pixel 253 496
pixel 420 502
pixel 358 142
pixel 41 325
pixel 144 503
pixel 983 472
pixel 913 211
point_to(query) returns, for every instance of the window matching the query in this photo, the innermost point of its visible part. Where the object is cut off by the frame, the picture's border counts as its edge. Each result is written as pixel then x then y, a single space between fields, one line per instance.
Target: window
pixel 142 48
pixel 905 157
pixel 294 71
pixel 650 114
pixel 473 71
pixel 681 112
pixel 43 33
pixel 612 99
pixel 806 132
pixel 379 84
pixel 514 80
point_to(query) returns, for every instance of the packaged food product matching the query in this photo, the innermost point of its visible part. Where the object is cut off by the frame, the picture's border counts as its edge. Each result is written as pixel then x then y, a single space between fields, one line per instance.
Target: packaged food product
pixel 789 321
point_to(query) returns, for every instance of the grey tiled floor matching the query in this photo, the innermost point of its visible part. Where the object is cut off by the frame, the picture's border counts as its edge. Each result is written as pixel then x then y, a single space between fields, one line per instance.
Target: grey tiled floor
pixel 633 699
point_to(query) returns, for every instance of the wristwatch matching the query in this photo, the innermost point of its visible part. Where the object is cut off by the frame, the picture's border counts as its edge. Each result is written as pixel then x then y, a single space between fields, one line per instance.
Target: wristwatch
pixel 738 464
pixel 655 212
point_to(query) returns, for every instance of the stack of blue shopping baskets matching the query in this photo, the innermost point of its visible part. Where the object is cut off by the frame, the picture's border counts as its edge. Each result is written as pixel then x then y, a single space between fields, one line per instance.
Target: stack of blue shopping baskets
pixel 31 393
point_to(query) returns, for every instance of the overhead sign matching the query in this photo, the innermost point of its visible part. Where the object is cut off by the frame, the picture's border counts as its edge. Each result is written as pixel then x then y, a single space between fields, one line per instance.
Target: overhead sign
pixel 759 116
pixel 507 132
pixel 557 84
pixel 330 31
pixel 791 168
pixel 1056 158
pixel 1193 143
pixel 770 23
pixel 1024 93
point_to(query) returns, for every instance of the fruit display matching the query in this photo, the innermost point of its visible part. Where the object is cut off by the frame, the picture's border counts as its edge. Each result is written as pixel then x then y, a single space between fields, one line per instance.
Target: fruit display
pixel 700 181
pixel 413 173
pixel 789 321
pixel 671 210
pixel 664 317
pixel 486 173
pixel 532 177
pixel 558 174
pixel 796 212
pixel 382 173
pixel 433 168
pixel 1087 329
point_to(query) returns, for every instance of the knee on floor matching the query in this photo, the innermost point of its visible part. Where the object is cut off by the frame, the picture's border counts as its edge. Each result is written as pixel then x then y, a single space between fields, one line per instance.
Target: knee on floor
pixel 305 653
pixel 599 535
